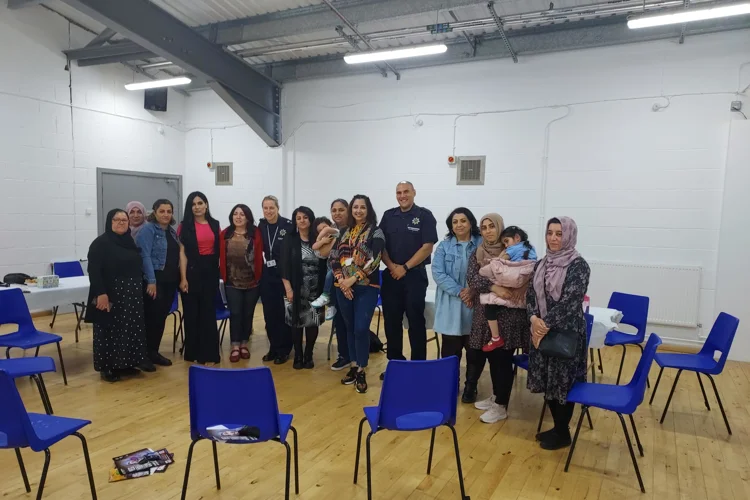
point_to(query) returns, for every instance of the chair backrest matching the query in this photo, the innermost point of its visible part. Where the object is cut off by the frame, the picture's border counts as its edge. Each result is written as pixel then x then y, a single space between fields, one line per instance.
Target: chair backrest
pixel 419 386
pixel 224 396
pixel 589 326
pixel 634 310
pixel 219 302
pixel 175 303
pixel 638 382
pixel 67 269
pixel 720 339
pixel 14 421
pixel 14 310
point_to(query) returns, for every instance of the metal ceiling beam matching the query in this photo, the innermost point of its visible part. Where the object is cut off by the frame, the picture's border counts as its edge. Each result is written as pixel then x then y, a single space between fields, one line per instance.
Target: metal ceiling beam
pixel 19 4
pixel 605 32
pixel 319 18
pixel 353 42
pixel 102 38
pixel 119 52
pixel 501 30
pixel 157 31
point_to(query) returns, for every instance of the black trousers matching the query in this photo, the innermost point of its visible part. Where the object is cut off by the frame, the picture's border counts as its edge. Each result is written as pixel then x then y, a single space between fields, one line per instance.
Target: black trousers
pixel 454 345
pixel 501 371
pixel 199 308
pixel 156 312
pixel 241 302
pixel 561 413
pixel 406 295
pixel 279 333
pixel 311 335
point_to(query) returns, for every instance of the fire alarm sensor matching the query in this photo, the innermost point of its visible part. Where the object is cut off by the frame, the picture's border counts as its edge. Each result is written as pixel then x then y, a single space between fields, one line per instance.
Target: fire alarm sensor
pixel 208 164
pixel 451 160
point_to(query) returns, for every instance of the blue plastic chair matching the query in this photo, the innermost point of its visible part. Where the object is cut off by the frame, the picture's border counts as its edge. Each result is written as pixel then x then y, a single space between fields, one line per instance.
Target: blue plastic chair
pixel 15 311
pixel 634 310
pixel 175 312
pixel 70 269
pixel 20 429
pixel 31 367
pixel 379 304
pixel 621 399
pixel 719 339
pixel 416 396
pixel 214 401
pixel 222 314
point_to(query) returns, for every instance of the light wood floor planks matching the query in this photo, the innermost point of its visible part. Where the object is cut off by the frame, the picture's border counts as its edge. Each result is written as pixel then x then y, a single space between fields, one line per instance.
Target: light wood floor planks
pixel 690 456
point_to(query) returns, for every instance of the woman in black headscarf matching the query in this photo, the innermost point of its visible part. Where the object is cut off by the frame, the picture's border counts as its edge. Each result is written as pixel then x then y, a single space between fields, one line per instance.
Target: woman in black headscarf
pixel 116 301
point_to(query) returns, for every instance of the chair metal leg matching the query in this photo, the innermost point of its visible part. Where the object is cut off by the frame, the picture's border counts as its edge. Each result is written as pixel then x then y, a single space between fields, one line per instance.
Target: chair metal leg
pixel 458 463
pixel 721 406
pixel 187 468
pixel 359 446
pixel 593 365
pixel 88 463
pixel 622 362
pixel 369 467
pixel 79 317
pixel 658 379
pixel 288 468
pixel 23 470
pixel 174 333
pixel 216 465
pixel 222 330
pixel 632 454
pixel 36 353
pixel 7 353
pixel 705 399
pixel 296 461
pixel 437 343
pixel 588 415
pixel 669 399
pixel 601 366
pixel 635 433
pixel 330 340
pixel 380 313
pixel 62 364
pixel 541 417
pixel 43 393
pixel 432 445
pixel 44 474
pixel 648 382
pixel 584 409
pixel 54 316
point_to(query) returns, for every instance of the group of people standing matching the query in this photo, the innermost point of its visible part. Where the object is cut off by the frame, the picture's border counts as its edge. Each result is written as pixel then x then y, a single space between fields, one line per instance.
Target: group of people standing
pixel 493 298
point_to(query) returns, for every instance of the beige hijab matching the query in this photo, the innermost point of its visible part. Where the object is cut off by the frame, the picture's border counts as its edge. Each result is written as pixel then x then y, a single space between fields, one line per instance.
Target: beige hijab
pixel 487 250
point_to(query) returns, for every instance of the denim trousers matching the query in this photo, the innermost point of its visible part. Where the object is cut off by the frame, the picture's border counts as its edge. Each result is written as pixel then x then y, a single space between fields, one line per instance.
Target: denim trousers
pixel 357 314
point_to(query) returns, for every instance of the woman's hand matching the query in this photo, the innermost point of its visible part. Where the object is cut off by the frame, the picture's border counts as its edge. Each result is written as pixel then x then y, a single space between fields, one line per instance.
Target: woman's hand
pixel 348 293
pixel 151 291
pixel 466 296
pixel 289 295
pixel 501 292
pixel 349 282
pixel 538 330
pixel 102 303
pixel 184 286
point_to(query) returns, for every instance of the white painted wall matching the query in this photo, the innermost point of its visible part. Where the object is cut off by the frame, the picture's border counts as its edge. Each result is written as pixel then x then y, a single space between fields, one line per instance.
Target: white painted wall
pixel 51 149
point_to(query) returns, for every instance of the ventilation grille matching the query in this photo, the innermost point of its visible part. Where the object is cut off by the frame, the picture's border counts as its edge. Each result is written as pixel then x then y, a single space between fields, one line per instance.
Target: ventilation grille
pixel 470 171
pixel 224 174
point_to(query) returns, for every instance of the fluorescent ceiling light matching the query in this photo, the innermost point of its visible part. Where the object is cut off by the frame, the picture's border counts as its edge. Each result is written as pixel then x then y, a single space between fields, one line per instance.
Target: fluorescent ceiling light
pixel 690 15
pixel 387 55
pixel 158 83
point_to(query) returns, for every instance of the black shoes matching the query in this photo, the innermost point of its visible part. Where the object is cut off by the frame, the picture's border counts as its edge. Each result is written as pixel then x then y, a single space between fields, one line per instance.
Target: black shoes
pixel 110 376
pixel 555 440
pixel 147 366
pixel 280 360
pixel 350 376
pixel 382 376
pixel 270 356
pixel 470 394
pixel 128 372
pixel 544 436
pixel 158 359
pixel 340 364
pixel 361 383
pixel 298 365
pixel 308 365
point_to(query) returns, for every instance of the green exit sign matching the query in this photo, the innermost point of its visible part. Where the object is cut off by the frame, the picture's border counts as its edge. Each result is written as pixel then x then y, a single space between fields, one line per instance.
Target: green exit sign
pixel 439 28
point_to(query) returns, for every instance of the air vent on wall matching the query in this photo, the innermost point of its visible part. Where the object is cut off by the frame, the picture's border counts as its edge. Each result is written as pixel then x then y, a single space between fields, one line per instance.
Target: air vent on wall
pixel 470 171
pixel 224 175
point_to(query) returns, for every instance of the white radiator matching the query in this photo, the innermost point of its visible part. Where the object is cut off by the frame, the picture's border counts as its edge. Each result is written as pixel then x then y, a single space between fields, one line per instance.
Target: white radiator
pixel 674 290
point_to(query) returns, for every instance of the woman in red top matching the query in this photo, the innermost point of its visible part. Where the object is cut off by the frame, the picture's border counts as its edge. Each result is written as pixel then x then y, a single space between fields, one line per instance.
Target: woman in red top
pixel 199 272
pixel 241 262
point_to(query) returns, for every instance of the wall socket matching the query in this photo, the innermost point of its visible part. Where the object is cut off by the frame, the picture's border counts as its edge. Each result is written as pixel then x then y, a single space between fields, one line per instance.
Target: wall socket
pixel 736 106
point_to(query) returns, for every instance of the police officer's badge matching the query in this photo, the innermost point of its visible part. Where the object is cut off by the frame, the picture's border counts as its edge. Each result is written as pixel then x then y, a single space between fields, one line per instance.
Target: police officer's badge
pixel 282 232
pixel 415 221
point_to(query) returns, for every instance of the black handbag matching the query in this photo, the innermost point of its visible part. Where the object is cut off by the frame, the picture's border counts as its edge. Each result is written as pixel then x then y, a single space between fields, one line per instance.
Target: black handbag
pixel 559 344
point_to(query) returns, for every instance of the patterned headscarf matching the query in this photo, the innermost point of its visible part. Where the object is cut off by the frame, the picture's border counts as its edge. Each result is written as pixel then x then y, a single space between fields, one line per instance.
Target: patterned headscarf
pixel 552 269
pixel 489 250
pixel 130 206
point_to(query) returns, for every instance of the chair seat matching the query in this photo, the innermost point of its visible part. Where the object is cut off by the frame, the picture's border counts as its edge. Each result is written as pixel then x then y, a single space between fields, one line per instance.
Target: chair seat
pixel 617 398
pixel 619 338
pixel 222 315
pixel 691 362
pixel 50 428
pixel 417 421
pixel 24 367
pixel 521 361
pixel 285 423
pixel 27 340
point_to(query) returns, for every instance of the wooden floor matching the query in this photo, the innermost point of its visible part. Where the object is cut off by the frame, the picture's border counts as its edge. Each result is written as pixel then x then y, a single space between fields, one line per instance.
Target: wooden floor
pixel 690 456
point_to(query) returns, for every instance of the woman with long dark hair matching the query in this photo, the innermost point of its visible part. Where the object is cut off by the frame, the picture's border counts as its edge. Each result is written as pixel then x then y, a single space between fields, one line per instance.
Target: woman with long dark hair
pixel 355 261
pixel 116 301
pixel 241 262
pixel 199 270
pixel 303 275
pixel 160 252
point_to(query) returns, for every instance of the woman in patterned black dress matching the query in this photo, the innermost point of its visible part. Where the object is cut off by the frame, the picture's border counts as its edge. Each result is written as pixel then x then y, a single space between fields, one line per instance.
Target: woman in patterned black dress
pixel 555 301
pixel 116 301
pixel 303 275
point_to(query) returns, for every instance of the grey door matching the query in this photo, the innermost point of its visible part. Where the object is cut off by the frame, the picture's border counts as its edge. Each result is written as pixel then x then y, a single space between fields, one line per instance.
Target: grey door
pixel 115 188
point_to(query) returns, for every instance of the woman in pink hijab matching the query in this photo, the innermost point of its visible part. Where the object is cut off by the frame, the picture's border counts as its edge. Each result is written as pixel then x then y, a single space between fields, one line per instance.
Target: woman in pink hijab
pixel 137 215
pixel 555 302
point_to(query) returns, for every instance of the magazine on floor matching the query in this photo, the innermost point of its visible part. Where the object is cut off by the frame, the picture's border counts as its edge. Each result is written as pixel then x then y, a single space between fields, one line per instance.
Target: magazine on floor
pixel 140 463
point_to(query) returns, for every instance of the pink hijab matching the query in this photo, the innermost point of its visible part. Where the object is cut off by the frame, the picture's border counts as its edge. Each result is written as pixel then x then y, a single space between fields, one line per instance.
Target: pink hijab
pixel 552 269
pixel 130 206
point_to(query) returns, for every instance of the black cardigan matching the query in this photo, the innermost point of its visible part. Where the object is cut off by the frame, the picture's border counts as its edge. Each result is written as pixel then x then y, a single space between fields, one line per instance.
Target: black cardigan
pixel 108 261
pixel 291 268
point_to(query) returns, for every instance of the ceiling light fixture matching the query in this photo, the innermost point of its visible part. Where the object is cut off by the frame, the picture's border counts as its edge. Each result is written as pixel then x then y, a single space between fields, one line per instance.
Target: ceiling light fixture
pixel 387 55
pixel 171 82
pixel 690 15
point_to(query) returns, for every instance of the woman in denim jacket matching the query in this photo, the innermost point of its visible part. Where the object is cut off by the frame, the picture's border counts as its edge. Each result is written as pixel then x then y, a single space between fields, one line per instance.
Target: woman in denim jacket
pixel 160 252
pixel 453 300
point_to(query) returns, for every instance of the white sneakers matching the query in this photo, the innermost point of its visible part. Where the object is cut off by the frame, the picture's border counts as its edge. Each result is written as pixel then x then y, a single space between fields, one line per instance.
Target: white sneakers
pixel 330 313
pixel 321 301
pixel 493 411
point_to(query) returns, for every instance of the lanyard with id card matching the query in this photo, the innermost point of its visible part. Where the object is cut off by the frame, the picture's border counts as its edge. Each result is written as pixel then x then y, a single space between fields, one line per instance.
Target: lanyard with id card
pixel 271 242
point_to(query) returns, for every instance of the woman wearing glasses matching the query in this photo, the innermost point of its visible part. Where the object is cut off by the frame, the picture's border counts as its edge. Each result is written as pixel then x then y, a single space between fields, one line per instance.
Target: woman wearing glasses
pixel 116 301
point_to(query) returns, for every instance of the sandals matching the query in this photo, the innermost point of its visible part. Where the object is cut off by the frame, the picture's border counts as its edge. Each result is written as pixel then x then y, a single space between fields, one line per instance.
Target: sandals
pixel 235 355
pixel 244 352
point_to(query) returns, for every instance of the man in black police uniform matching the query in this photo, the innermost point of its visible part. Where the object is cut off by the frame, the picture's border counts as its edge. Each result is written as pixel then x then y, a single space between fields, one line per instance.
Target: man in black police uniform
pixel 274 228
pixel 410 233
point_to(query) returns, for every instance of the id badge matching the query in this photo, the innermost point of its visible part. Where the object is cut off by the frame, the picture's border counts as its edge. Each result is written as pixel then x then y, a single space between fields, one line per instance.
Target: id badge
pixel 271 263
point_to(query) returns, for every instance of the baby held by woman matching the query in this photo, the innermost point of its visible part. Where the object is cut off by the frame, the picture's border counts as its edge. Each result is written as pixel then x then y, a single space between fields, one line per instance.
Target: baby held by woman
pixel 512 270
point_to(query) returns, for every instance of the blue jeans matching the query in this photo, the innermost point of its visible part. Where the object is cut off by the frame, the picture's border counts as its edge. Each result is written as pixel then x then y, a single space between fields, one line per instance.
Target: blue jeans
pixel 357 314
pixel 328 285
